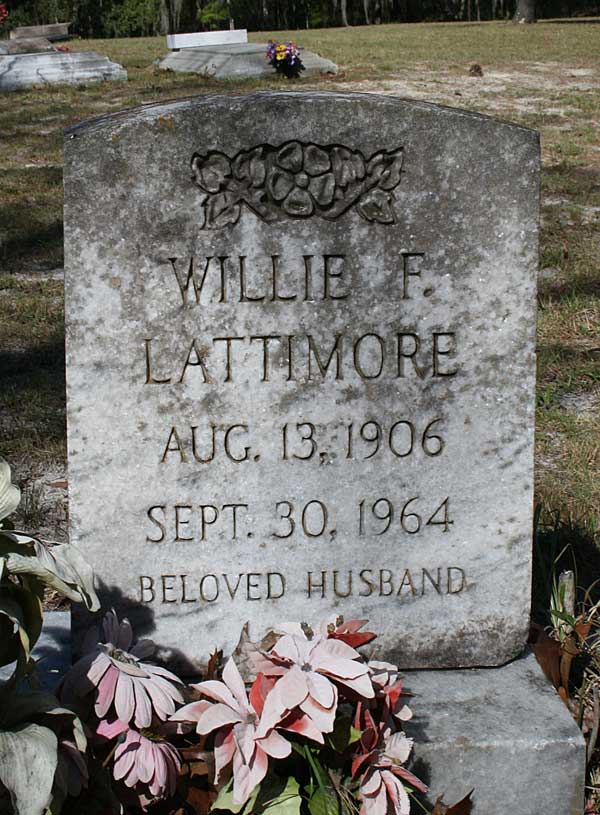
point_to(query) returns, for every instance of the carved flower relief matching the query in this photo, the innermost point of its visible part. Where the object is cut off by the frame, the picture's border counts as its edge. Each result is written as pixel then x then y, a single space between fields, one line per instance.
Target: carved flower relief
pixel 298 180
pixel 301 179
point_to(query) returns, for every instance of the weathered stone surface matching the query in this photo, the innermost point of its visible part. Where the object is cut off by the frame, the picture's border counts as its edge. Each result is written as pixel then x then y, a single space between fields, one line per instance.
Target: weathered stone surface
pixel 339 291
pixel 502 732
pixel 235 61
pixel 25 70
pixel 203 38
pixel 51 31
pixel 35 45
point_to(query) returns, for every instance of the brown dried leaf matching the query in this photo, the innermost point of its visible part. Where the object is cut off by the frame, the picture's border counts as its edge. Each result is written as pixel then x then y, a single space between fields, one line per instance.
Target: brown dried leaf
pixel 462 807
pixel 246 648
pixel 583 629
pixel 200 800
pixel 548 653
pixel 214 663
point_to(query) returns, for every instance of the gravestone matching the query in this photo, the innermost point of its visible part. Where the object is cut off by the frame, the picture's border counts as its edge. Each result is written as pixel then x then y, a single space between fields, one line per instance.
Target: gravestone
pixel 38 68
pixel 50 31
pixel 300 375
pixel 300 367
pixel 237 61
pixel 202 38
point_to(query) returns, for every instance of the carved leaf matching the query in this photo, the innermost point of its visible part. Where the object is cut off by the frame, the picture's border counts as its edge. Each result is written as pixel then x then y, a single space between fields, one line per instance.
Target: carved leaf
pixel 250 166
pixel 210 172
pixel 221 209
pixel 390 177
pixel 384 169
pixel 376 205
pixel 348 167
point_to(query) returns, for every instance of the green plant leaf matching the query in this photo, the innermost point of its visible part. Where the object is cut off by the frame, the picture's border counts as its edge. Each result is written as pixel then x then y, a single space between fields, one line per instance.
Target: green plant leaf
pixel 324 801
pixel 224 800
pixel 278 796
pixel 28 760
pixel 343 734
pixel 14 636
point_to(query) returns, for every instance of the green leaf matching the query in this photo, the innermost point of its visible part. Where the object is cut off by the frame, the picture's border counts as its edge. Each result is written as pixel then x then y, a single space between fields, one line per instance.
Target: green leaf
pixel 10 496
pixel 14 635
pixel 343 734
pixel 224 800
pixel 278 796
pixel 324 801
pixel 28 760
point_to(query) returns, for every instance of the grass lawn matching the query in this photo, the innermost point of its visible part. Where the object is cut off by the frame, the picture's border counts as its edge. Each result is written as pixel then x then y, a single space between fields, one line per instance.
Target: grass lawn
pixel 545 76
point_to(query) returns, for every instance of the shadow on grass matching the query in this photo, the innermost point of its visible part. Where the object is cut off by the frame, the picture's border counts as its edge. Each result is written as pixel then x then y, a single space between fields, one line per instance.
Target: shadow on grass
pixel 560 545
pixel 572 21
pixel 33 409
pixel 38 242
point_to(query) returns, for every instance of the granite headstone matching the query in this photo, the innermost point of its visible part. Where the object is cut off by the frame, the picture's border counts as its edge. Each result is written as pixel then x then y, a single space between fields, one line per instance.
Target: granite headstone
pixel 300 368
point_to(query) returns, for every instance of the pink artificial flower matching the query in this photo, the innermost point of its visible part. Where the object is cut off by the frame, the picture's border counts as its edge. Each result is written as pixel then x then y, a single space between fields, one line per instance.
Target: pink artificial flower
pixel 236 720
pixel 308 669
pixel 136 690
pixel 144 762
pixel 388 691
pixel 381 787
pixel 381 792
pixel 347 631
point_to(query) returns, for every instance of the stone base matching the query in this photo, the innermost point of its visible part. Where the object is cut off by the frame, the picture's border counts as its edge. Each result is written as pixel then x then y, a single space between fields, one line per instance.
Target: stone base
pixel 54 68
pixel 502 732
pixel 247 60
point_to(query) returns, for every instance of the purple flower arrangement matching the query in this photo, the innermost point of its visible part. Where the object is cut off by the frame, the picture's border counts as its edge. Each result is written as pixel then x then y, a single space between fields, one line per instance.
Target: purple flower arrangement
pixel 285 58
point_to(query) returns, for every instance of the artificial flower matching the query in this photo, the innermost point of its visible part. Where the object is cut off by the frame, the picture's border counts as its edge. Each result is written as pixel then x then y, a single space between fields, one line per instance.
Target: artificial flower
pixel 235 717
pixel 143 761
pixel 388 689
pixel 347 631
pixel 381 762
pixel 113 669
pixel 309 671
pixel 381 792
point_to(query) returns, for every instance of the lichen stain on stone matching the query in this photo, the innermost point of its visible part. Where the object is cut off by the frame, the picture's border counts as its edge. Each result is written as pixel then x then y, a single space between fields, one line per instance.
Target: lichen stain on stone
pixel 166 122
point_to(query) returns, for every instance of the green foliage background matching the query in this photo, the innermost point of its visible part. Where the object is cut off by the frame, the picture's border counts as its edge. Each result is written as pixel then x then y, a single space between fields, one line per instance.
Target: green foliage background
pixel 123 18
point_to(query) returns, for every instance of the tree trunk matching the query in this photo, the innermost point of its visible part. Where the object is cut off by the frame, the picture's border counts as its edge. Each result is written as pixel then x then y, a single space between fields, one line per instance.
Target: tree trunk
pixel 344 10
pixel 366 8
pixel 525 12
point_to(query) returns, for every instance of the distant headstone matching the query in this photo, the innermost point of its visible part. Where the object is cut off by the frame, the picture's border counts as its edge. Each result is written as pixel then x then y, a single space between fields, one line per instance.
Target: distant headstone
pixel 35 45
pixel 236 61
pixel 51 31
pixel 202 38
pixel 19 71
pixel 300 366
